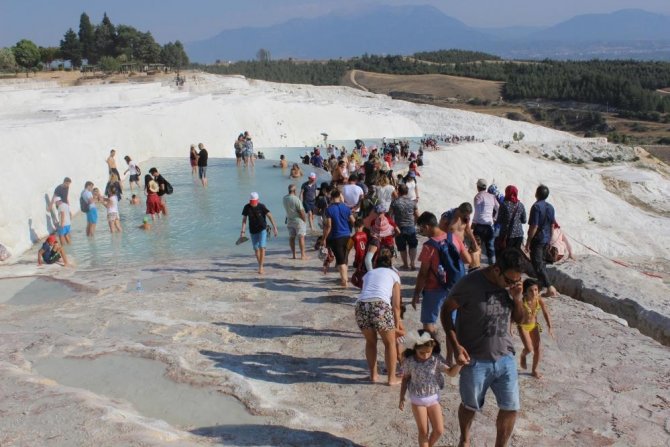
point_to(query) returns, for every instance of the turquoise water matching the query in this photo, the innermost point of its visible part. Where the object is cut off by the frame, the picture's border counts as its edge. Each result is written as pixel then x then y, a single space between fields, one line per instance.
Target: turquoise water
pixel 201 222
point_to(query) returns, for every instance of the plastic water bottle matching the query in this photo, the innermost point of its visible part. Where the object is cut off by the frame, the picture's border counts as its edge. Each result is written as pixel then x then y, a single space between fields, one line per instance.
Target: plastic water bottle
pixel 440 272
pixel 138 287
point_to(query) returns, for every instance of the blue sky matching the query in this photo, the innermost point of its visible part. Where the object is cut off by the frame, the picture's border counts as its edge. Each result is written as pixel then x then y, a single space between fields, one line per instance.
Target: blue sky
pixel 45 21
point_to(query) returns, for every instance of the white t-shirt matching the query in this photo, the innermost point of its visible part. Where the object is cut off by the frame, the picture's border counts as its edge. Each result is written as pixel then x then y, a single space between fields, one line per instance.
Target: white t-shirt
pixel 65 209
pixel 385 195
pixel 378 285
pixel 485 204
pixel 113 204
pixel 132 168
pixel 352 194
pixel 411 189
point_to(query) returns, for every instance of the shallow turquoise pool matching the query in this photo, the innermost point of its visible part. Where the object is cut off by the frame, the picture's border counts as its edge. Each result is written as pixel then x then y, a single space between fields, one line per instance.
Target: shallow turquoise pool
pixel 201 222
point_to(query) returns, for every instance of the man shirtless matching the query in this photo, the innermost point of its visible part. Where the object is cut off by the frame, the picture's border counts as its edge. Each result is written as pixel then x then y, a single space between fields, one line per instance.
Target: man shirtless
pixel 457 221
pixel 111 163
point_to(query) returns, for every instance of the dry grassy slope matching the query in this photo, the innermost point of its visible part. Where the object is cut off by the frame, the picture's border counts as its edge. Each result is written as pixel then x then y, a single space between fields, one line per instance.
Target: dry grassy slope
pixel 438 86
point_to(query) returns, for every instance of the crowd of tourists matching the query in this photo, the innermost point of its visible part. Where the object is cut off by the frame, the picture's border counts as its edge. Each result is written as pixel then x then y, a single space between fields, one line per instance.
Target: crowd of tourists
pixel 377 215
pixel 468 270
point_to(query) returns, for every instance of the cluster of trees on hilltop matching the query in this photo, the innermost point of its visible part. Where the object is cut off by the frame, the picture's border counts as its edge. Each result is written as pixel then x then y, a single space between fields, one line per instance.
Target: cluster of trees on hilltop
pixel 105 45
pixel 455 56
pixel 122 43
pixel 624 85
pixel 332 71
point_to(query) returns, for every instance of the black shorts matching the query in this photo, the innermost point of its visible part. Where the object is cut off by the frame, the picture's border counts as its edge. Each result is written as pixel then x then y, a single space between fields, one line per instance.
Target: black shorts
pixel 134 178
pixel 339 247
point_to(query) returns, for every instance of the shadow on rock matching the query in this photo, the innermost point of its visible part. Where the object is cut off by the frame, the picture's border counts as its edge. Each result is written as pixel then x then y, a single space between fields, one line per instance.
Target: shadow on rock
pixel 267 331
pixel 281 368
pixel 264 435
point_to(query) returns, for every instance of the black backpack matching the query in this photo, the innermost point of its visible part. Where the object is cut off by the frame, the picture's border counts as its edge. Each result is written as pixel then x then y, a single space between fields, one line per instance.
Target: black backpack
pixel 83 204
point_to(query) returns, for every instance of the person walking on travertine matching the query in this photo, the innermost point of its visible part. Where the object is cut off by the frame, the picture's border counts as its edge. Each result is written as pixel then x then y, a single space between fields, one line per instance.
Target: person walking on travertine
pixel 487 301
pixel 486 210
pixel 540 221
pixel 256 213
pixel 295 221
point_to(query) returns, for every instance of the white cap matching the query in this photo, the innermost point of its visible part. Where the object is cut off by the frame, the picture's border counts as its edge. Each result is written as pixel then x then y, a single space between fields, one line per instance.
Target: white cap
pixel 312 175
pixel 253 196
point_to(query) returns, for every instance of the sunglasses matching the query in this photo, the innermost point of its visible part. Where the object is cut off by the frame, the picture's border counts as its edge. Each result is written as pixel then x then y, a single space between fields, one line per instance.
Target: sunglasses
pixel 510 281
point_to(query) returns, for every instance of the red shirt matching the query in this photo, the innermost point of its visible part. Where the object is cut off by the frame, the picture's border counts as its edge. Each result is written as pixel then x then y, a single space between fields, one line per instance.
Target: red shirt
pixel 360 247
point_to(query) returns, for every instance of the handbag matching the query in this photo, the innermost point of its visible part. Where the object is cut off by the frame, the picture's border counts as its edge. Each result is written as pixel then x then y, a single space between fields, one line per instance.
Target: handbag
pixel 501 241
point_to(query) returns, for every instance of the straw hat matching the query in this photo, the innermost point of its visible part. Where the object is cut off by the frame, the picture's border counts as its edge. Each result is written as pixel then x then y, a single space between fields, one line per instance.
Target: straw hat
pixel 153 186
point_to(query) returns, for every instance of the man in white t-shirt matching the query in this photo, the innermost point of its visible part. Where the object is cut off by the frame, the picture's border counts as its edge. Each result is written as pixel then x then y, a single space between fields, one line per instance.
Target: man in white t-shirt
pixel 64 221
pixel 486 210
pixel 353 194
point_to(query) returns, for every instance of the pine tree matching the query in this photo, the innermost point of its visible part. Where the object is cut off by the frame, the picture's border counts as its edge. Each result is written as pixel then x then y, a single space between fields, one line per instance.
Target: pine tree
pixel 87 39
pixel 70 48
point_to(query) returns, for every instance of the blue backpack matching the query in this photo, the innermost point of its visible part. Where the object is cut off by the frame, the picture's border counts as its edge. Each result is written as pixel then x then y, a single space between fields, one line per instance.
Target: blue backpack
pixel 450 267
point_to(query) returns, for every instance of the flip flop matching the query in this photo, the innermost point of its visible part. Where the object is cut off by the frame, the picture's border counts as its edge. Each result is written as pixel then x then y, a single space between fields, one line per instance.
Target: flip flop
pixel 241 240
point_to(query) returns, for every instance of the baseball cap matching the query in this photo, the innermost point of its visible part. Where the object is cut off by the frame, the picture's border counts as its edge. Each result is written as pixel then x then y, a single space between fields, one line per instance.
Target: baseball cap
pixel 481 183
pixel 253 197
pixel 51 239
pixel 312 175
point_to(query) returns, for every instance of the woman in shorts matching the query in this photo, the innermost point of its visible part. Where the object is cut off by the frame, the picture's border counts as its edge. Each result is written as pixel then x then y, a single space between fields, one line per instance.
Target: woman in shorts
pixel 378 313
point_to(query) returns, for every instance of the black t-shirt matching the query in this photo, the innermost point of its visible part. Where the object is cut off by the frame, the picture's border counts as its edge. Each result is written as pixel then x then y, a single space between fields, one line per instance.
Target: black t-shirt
pixel 62 191
pixel 256 216
pixel 202 157
pixel 161 185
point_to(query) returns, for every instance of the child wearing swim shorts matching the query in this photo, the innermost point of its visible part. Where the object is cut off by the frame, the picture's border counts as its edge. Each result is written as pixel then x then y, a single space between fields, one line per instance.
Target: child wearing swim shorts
pixel 530 328
pixel 422 375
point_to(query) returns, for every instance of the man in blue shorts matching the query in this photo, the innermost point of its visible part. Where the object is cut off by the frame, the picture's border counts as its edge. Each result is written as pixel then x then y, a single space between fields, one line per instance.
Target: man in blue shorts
pixel 427 280
pixel 88 205
pixel 257 213
pixel 487 300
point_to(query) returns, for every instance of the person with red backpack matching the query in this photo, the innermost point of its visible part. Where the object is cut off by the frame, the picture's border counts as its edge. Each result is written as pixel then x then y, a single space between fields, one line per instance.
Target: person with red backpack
pixel 442 258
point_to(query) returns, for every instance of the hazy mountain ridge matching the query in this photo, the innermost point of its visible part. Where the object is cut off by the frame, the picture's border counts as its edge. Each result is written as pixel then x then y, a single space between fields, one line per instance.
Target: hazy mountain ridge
pixel 630 33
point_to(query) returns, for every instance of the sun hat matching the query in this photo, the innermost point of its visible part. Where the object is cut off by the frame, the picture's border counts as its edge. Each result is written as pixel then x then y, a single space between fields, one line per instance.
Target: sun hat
pixel 253 197
pixel 312 175
pixel 51 239
pixel 481 183
pixel 153 186
pixel 381 227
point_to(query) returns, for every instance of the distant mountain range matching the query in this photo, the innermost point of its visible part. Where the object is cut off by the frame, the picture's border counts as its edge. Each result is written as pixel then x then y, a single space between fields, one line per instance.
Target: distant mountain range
pixel 630 33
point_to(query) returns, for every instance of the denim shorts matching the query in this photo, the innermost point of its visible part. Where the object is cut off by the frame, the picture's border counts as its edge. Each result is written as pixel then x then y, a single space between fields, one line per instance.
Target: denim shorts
pixel 431 305
pixel 259 240
pixel 501 376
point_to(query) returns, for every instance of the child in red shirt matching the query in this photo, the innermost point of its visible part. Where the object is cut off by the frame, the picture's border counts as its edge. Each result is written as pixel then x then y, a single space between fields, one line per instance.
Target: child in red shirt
pixel 360 242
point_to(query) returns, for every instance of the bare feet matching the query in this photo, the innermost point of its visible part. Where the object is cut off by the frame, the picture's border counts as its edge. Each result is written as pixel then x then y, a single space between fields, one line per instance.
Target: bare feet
pixel 536 374
pixel 523 363
pixel 394 382
pixel 551 292
pixel 374 378
pixel 261 271
pixel 305 258
pixel 344 284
